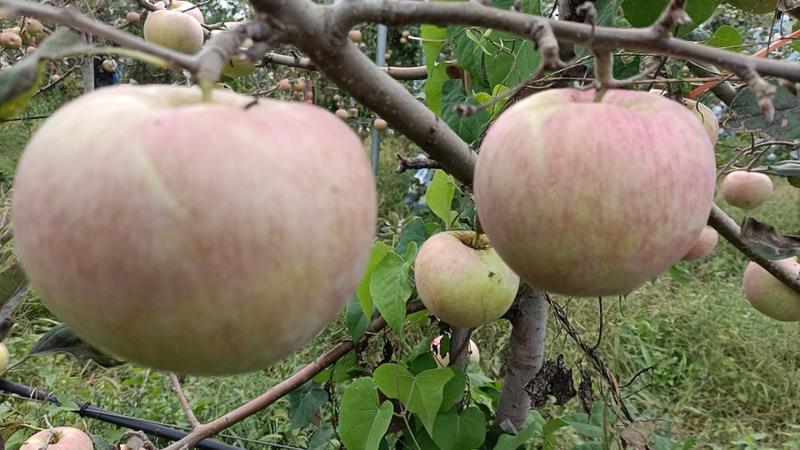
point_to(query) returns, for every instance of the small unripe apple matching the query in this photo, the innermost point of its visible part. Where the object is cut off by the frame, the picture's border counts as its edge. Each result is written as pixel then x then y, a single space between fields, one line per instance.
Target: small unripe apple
pixel 109 65
pixel 592 198
pixel 188 8
pixel 380 124
pixel 443 359
pixel 704 245
pixel 337 98
pixel 403 40
pixel 353 112
pixel 284 85
pixel 61 438
pixel 769 295
pixel 33 26
pixel 462 280
pixel 300 85
pixel 355 35
pixel 755 6
pixel 703 113
pixel 405 33
pixel 746 190
pixel 4 357
pixel 342 114
pixel 10 39
pixel 178 31
pixel 178 227
pixel 133 17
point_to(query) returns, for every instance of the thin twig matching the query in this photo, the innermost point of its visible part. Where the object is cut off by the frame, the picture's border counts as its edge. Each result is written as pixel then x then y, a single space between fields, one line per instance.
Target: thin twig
pixel 187 409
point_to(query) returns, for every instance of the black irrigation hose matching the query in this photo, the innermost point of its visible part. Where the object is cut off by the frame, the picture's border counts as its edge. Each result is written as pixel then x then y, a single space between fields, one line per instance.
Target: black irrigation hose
pixel 152 428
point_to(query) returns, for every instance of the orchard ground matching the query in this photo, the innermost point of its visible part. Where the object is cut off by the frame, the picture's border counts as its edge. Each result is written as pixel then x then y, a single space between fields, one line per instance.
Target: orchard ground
pixel 722 373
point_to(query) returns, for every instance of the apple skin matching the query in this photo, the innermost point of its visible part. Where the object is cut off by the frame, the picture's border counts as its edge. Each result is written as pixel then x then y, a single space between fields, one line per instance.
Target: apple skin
pixel 704 245
pixel 65 438
pixel 237 66
pixel 590 198
pixel 189 9
pixel 133 17
pixel 444 360
pixel 178 31
pixel 746 190
pixel 703 113
pixel 768 295
pixel 284 85
pixel 461 285
pixel 216 227
pixel 755 6
pixel 4 357
pixel 10 39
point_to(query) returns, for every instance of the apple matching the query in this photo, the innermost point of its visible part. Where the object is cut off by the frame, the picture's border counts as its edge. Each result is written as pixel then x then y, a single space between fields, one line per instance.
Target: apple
pixel 33 26
pixel 109 65
pixel 10 39
pixel 300 85
pixel 769 295
pixel 216 225
pixel 188 8
pixel 61 438
pixel 175 30
pixel 133 17
pixel 284 85
pixel 462 280
pixel 342 114
pixel 4 357
pixel 755 6
pixel 443 360
pixel 353 112
pixel 704 245
pixel 380 124
pixel 355 35
pixel 703 113
pixel 238 65
pixel 746 190
pixel 590 198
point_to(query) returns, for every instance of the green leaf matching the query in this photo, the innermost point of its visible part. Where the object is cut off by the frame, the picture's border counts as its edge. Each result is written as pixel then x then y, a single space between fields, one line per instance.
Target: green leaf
pixel 726 37
pixel 452 431
pixel 549 430
pixel 357 323
pixel 304 402
pixel 60 339
pixel 454 389
pixel 468 128
pixel 321 438
pixel 493 57
pixel 434 84
pixel 533 427
pixel 379 251
pixel 421 394
pixel 18 84
pixel 746 115
pixel 413 231
pixel 643 13
pixel 765 240
pixel 390 289
pixel 680 274
pixel 362 422
pixel 439 195
pixel 581 424
pixel 789 169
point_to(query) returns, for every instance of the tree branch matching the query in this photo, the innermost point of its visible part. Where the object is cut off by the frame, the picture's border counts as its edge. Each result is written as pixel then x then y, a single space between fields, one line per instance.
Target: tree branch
pixel 398 73
pixel 528 316
pixel 284 387
pixel 185 406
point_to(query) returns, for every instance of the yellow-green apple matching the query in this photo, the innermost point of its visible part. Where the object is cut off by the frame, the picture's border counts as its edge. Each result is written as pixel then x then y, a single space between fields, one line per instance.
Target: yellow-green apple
pixel 188 8
pixel 442 358
pixel 238 65
pixel 355 35
pixel 704 245
pixel 4 356
pixel 10 39
pixel 380 124
pixel 33 26
pixel 591 197
pixel 232 231
pixel 755 6
pixel 703 113
pixel 109 65
pixel 769 295
pixel 300 85
pixel 461 279
pixel 178 31
pixel 133 17
pixel 60 438
pixel 342 114
pixel 746 190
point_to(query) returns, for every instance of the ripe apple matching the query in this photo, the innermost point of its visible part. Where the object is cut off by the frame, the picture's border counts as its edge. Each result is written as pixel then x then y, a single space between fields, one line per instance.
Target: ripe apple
pixel 188 8
pixel 355 35
pixel 342 114
pixel 704 245
pixel 217 226
pixel 590 198
pixel 746 190
pixel 462 280
pixel 133 17
pixel 178 31
pixel 755 6
pixel 443 359
pixel 10 39
pixel 63 438
pixel 284 85
pixel 4 357
pixel 380 124
pixel 768 295
pixel 703 113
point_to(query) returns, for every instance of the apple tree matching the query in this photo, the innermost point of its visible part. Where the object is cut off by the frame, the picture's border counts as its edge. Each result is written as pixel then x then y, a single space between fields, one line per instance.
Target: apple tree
pixel 227 207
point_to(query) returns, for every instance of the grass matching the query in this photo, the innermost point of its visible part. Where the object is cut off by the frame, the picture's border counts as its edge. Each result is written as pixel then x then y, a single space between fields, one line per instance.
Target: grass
pixel 721 372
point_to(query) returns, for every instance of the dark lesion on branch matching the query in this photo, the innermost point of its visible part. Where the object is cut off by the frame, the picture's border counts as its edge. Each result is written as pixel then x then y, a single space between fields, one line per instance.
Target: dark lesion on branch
pixel 415 163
